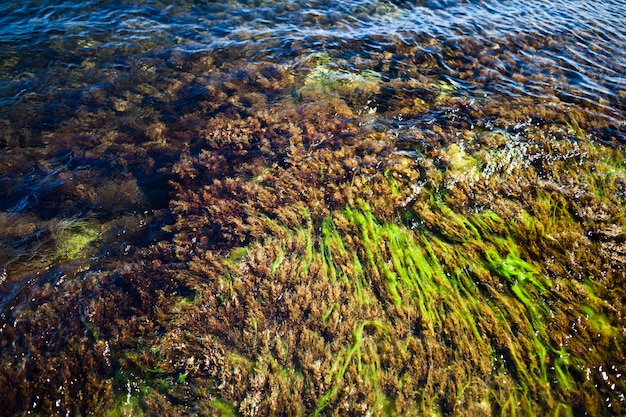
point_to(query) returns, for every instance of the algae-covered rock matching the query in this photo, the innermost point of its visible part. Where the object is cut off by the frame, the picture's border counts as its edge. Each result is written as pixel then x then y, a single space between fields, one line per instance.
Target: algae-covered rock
pixel 73 238
pixel 328 79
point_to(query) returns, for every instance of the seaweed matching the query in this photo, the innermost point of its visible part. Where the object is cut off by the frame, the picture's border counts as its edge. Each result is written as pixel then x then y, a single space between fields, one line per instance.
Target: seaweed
pixel 384 244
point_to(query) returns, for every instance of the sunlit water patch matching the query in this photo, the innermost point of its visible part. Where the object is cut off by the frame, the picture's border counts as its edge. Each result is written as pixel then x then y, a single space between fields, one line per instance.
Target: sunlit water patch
pixel 312 207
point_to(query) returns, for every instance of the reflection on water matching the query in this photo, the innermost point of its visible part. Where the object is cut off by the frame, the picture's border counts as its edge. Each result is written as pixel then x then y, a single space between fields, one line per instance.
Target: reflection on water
pixel 323 194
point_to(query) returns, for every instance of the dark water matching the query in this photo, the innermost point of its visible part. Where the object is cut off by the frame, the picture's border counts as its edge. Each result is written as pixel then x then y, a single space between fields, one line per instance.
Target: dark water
pixel 99 100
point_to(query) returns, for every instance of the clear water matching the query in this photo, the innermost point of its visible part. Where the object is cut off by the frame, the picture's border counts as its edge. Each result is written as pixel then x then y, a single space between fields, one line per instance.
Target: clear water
pixel 98 99
pixel 63 51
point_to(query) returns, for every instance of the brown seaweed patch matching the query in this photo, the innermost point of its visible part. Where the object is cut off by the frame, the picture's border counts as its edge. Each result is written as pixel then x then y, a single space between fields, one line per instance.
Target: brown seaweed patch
pixel 365 316
pixel 482 269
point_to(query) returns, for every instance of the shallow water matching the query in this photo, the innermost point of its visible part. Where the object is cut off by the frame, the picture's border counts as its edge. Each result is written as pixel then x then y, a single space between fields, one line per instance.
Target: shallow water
pixel 102 104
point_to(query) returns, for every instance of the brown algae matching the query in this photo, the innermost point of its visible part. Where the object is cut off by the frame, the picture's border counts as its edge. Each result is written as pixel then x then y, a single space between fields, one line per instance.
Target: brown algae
pixel 442 301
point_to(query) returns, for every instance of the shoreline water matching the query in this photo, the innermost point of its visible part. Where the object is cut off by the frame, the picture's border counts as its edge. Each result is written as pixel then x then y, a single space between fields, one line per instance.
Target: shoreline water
pixel 298 208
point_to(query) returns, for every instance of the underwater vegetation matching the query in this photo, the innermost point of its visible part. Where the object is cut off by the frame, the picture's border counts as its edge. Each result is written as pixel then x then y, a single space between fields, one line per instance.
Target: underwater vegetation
pixel 325 78
pixel 73 237
pixel 377 282
pixel 331 237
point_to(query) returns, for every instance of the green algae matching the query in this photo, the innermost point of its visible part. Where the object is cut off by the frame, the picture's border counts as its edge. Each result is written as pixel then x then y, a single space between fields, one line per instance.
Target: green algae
pixel 415 267
pixel 224 409
pixel 236 255
pixel 130 406
pixel 74 237
pixel 325 78
pixel 341 363
pixel 599 322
